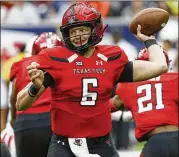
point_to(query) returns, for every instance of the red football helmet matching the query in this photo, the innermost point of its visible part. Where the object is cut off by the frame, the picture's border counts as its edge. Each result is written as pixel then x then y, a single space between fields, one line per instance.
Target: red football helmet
pixel 144 55
pixel 42 41
pixel 46 40
pixel 81 14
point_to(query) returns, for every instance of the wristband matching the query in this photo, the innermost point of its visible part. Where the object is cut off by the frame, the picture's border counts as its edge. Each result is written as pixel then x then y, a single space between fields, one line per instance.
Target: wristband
pixel 33 90
pixel 150 42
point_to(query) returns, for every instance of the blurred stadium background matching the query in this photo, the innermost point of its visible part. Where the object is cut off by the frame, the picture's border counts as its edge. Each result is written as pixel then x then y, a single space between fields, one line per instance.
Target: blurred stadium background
pixel 20 21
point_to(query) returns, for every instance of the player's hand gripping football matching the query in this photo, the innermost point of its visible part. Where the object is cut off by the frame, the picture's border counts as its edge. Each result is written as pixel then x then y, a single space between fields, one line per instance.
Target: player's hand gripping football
pixel 36 75
pixel 143 37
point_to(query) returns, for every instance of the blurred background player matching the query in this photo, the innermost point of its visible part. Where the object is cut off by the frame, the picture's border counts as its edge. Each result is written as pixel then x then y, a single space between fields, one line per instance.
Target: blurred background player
pixel 32 127
pixel 154 107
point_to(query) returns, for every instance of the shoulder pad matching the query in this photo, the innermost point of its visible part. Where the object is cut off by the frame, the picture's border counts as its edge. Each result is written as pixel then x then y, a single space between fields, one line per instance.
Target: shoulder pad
pixel 111 53
pixel 110 50
pixel 59 51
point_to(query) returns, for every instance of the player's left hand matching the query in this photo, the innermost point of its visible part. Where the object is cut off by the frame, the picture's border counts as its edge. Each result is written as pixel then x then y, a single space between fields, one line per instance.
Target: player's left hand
pixel 143 37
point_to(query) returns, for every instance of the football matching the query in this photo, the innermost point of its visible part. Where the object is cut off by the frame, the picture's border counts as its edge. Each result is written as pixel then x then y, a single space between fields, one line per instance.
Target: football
pixel 151 20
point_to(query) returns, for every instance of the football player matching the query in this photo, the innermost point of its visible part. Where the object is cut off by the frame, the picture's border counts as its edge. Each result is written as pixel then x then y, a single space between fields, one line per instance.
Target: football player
pixel 81 76
pixel 154 107
pixel 32 127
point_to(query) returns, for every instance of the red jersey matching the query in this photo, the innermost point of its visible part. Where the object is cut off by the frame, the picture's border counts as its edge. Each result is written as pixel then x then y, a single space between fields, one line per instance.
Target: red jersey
pixel 82 88
pixel 20 73
pixel 152 103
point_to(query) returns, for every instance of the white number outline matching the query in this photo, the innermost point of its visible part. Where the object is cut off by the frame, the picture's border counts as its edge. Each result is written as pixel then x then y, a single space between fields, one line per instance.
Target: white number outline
pixel 148 97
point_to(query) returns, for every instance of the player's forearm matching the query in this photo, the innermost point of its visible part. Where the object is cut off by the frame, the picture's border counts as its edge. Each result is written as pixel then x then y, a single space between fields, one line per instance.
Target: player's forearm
pixel 24 100
pixel 156 55
pixel 157 65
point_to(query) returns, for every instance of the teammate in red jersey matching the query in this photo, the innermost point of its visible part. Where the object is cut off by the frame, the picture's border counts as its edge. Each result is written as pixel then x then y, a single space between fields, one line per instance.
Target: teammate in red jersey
pixel 154 107
pixel 32 127
pixel 82 76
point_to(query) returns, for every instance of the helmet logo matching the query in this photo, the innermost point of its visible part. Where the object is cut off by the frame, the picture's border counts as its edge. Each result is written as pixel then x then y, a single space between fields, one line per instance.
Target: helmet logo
pixel 72 19
pixel 94 10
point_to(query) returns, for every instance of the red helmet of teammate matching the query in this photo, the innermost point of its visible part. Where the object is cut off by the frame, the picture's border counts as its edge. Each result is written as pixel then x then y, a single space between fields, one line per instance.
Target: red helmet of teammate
pixel 144 55
pixel 81 14
pixel 42 41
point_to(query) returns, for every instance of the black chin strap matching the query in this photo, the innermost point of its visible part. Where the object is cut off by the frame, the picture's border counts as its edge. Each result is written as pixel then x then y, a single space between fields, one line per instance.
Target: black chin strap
pixel 82 51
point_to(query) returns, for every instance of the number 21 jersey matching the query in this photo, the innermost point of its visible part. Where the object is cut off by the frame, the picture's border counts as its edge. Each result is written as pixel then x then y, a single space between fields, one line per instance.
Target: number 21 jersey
pixel 152 103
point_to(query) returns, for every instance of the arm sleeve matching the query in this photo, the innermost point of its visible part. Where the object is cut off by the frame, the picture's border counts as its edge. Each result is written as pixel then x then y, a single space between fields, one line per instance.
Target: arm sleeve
pixel 127 73
pixel 123 68
pixel 48 80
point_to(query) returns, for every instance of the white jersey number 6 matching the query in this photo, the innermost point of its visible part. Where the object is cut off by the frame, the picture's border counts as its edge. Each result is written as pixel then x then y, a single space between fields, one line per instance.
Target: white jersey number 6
pixel 89 98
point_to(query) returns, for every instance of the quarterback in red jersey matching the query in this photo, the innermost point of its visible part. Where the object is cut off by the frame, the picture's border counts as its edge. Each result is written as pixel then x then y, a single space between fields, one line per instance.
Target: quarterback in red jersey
pixel 82 76
pixel 34 123
pixel 154 107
